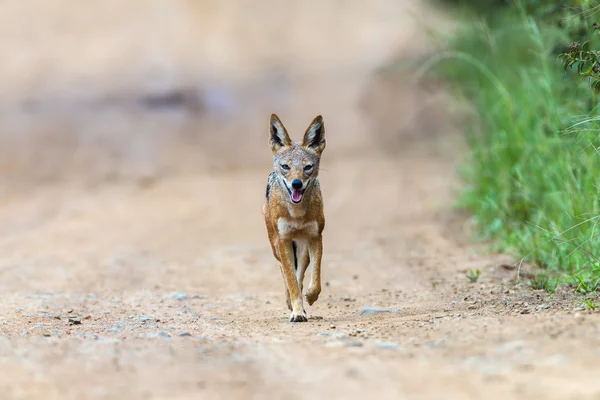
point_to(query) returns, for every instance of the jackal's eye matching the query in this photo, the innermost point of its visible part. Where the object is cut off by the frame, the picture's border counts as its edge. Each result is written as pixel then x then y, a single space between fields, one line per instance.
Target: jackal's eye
pixel 307 168
pixel 285 167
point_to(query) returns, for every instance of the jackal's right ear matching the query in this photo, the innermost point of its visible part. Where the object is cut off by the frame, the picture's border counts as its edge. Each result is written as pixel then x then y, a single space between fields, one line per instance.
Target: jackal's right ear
pixel 278 136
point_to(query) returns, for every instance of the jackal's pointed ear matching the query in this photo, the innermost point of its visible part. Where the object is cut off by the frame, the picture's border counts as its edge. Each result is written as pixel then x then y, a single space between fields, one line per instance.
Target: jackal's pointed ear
pixel 314 137
pixel 278 136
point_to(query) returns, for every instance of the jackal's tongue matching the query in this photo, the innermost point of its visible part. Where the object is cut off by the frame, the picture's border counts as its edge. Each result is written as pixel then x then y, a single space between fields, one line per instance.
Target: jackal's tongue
pixel 296 195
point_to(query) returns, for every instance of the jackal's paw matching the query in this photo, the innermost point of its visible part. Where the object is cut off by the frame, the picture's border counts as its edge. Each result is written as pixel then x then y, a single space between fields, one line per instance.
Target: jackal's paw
pixel 312 295
pixel 298 317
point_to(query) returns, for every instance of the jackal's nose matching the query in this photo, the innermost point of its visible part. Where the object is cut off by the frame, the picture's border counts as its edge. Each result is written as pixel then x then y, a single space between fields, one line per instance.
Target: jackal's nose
pixel 297 184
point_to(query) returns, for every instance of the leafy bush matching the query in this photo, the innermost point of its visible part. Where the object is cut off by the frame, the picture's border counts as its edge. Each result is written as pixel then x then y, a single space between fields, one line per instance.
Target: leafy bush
pixel 586 60
pixel 532 173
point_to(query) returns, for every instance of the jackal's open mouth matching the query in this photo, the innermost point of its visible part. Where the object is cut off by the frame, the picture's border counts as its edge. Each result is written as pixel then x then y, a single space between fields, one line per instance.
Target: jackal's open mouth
pixel 295 194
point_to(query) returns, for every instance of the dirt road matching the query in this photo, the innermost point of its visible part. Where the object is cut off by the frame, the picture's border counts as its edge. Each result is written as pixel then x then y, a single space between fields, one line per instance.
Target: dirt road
pixel 170 291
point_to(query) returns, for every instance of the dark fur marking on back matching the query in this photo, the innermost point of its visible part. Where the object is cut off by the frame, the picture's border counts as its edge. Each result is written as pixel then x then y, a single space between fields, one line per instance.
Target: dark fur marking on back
pixel 269 185
pixel 294 248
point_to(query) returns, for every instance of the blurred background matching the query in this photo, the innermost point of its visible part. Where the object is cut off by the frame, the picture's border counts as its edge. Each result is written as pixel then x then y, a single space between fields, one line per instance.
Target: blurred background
pixel 142 88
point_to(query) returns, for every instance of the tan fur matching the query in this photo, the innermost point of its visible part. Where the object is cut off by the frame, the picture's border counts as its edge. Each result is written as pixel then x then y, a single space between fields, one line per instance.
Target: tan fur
pixel 300 225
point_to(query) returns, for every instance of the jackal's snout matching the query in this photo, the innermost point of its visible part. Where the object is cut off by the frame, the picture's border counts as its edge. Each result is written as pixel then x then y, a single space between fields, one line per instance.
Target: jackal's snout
pixel 296 190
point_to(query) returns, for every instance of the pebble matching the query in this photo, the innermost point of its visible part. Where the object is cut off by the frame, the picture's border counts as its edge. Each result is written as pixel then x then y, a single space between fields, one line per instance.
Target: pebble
pixel 161 334
pixel 105 339
pixel 74 321
pixel 368 311
pixel 354 344
pixel 339 335
pixel 386 345
pixel 183 334
pixel 515 345
pixel 435 345
pixel 178 296
pixel 42 331
pixel 341 343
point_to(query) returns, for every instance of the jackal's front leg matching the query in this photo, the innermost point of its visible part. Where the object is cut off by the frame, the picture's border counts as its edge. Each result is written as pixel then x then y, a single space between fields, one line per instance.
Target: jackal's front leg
pixel 287 263
pixel 315 251
pixel 287 292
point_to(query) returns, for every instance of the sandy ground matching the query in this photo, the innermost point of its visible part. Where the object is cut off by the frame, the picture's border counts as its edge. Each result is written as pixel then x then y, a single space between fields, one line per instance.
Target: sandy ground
pixel 170 291
pixel 164 286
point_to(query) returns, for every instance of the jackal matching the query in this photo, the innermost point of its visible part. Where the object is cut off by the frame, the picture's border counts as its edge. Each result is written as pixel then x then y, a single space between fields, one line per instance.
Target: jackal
pixel 294 211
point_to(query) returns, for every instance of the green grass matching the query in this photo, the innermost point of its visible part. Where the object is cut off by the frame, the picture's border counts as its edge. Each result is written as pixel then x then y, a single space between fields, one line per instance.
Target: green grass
pixel 533 173
pixel 590 304
pixel 473 275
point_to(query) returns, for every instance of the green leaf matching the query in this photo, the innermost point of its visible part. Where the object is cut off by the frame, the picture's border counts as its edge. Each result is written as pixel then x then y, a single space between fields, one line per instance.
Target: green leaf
pixel 586 45
pixel 587 72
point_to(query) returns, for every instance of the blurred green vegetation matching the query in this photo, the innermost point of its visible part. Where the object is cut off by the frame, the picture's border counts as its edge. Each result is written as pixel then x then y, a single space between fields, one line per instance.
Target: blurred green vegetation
pixel 532 173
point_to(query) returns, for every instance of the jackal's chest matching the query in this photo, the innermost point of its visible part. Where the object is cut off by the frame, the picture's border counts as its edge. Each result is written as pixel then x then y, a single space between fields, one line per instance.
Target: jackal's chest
pixel 294 228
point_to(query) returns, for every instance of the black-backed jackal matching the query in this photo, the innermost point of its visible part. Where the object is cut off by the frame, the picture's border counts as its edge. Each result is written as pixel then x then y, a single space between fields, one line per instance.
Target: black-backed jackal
pixel 294 211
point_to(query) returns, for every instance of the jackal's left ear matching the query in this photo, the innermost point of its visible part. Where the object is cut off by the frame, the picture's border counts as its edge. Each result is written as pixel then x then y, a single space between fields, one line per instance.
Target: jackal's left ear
pixel 278 136
pixel 314 137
